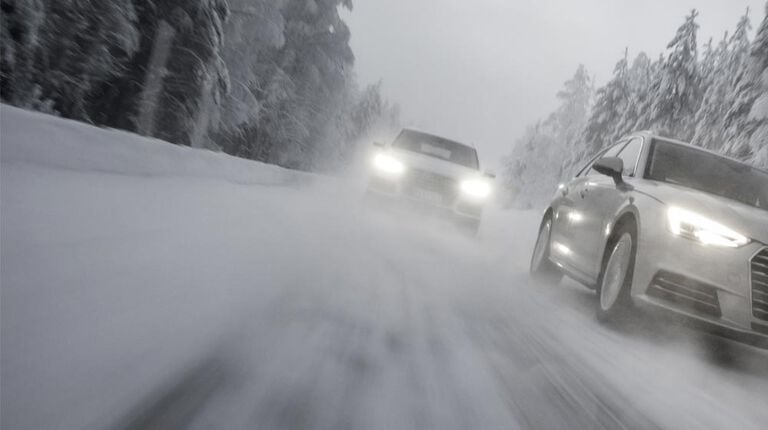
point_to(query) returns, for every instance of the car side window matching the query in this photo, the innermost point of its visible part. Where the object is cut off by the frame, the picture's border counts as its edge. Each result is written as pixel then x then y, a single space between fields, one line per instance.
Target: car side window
pixel 611 152
pixel 630 154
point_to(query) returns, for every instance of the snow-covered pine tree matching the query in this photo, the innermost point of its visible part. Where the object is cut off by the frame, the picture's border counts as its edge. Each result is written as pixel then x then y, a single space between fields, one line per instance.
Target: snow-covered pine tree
pixel 708 62
pixel 66 49
pixel 368 112
pixel 675 95
pixel 548 151
pixel 527 173
pixel 365 117
pixel 611 101
pixel 739 47
pixel 740 122
pixel 731 70
pixel 254 26
pixel 196 74
pixel 571 117
pixel 87 42
pixel 639 79
pixel 20 25
pixel 717 84
pixel 758 115
pixel 304 85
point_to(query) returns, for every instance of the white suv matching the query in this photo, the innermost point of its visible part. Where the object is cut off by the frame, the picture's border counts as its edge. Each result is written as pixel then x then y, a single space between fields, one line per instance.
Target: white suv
pixel 433 173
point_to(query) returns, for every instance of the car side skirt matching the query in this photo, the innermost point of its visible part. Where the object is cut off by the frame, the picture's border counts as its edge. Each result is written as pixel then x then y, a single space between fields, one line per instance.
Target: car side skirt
pixel 575 274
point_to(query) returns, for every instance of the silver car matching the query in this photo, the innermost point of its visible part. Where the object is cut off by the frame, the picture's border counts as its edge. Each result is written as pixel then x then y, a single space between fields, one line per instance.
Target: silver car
pixel 653 222
pixel 437 175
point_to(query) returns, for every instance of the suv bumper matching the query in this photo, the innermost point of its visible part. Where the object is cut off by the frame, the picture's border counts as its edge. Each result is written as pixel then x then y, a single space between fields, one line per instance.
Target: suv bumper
pixel 455 209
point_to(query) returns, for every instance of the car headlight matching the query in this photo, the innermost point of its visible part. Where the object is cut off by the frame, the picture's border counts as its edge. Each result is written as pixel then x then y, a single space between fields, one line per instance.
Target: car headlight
pixel 388 164
pixel 476 188
pixel 693 226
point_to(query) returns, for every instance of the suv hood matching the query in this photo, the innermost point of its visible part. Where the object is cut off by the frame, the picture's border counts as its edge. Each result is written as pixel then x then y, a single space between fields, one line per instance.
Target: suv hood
pixel 434 165
pixel 747 220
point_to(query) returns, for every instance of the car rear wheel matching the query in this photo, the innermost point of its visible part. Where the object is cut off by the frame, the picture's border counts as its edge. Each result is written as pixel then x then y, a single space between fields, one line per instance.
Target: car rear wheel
pixel 614 288
pixel 542 268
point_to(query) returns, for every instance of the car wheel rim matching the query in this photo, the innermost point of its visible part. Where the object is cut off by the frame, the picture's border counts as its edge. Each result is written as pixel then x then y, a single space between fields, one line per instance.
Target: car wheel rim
pixel 539 253
pixel 616 272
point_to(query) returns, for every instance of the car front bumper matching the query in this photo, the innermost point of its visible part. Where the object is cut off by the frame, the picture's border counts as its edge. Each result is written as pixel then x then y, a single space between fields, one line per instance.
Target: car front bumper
pixel 441 203
pixel 711 285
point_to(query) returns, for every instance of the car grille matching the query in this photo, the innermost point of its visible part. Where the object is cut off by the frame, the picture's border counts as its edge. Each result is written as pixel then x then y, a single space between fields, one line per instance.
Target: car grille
pixel 686 293
pixel 470 209
pixel 420 180
pixel 759 272
pixel 762 329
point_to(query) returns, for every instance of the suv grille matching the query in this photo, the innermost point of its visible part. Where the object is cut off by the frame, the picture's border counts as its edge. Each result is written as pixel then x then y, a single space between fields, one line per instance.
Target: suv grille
pixel 418 180
pixel 686 293
pixel 759 269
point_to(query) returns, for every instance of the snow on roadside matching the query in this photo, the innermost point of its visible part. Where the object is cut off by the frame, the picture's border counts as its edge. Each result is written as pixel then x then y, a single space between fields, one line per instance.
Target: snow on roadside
pixel 124 262
pixel 44 140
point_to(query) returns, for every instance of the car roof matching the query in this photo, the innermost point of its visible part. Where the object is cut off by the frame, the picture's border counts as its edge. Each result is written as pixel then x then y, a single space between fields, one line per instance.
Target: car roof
pixel 656 136
pixel 417 131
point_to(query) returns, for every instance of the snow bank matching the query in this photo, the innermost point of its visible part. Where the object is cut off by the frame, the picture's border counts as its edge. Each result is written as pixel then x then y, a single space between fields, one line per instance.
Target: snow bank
pixel 125 262
pixel 35 138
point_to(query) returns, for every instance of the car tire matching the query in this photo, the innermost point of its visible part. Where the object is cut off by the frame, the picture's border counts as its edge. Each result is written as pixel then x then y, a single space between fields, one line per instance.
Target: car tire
pixel 614 303
pixel 541 268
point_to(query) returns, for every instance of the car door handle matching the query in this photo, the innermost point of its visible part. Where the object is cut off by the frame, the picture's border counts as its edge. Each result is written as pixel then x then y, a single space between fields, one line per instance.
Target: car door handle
pixel 583 193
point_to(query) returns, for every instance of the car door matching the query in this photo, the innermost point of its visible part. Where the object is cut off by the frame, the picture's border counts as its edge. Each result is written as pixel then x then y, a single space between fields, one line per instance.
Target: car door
pixel 569 217
pixel 601 200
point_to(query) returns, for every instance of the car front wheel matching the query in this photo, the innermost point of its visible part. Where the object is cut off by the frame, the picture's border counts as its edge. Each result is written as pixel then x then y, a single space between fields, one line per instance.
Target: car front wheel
pixel 542 268
pixel 614 288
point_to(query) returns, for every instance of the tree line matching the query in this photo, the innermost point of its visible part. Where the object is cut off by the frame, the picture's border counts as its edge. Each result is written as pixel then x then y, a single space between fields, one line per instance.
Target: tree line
pixel 269 80
pixel 715 97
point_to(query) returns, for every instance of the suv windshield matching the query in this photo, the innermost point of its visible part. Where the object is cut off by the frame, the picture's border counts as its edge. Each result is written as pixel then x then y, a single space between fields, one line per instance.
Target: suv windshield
pixel 678 164
pixel 437 147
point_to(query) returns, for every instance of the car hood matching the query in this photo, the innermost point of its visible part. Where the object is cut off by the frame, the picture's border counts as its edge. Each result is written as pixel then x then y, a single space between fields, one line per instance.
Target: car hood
pixel 434 165
pixel 745 219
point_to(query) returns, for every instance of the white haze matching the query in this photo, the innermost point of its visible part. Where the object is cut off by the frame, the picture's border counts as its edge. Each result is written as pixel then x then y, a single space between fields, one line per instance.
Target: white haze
pixel 147 285
pixel 481 71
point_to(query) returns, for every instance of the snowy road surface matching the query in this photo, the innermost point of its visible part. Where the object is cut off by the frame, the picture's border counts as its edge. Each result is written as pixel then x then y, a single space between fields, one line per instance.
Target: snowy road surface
pixel 140 295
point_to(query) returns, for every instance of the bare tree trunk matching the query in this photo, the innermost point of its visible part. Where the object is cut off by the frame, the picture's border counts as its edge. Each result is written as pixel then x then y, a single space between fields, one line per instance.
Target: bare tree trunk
pixel 203 119
pixel 153 84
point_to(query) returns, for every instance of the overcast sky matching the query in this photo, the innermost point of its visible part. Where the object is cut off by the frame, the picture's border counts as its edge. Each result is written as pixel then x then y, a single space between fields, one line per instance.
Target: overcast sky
pixel 479 71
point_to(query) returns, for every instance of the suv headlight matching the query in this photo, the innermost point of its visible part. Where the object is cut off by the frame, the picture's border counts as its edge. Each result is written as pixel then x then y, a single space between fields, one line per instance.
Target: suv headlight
pixel 476 188
pixel 693 226
pixel 388 164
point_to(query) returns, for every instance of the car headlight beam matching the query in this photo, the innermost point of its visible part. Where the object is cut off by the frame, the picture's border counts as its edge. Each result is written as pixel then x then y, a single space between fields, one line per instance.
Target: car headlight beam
pixel 696 227
pixel 388 164
pixel 476 188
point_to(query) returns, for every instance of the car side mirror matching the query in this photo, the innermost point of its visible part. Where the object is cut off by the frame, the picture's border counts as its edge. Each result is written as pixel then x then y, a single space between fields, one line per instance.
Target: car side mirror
pixel 490 174
pixel 378 144
pixel 610 166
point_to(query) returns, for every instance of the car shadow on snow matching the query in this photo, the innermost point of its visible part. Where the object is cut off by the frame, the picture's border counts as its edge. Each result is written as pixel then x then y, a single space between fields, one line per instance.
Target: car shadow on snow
pixel 717 348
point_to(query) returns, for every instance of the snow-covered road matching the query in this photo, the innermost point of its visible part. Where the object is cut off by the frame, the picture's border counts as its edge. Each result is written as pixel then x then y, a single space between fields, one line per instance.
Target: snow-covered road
pixel 140 295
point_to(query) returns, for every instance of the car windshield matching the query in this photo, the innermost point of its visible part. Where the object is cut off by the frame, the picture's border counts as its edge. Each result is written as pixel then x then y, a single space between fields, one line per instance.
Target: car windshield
pixel 690 167
pixel 437 147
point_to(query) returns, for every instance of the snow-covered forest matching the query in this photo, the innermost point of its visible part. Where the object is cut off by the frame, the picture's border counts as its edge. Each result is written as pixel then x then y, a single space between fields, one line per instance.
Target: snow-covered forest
pixel 715 96
pixel 269 80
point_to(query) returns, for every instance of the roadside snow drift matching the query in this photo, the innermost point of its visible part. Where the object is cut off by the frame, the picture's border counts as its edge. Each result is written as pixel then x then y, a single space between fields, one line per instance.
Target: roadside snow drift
pixel 145 285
